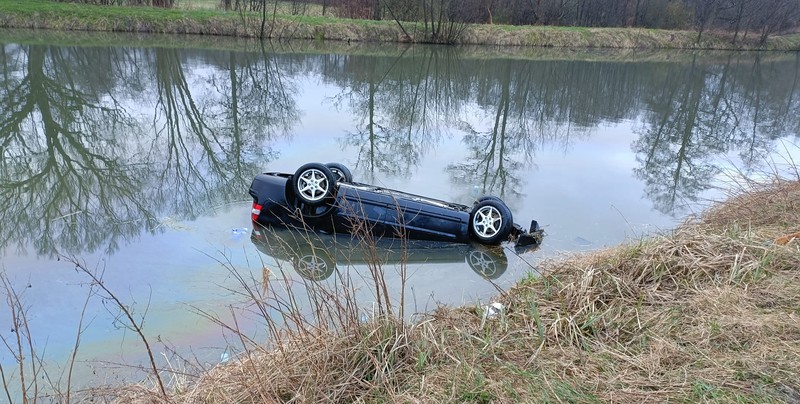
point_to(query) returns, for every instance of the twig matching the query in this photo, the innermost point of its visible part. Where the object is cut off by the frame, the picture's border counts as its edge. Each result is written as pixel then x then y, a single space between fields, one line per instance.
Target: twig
pixel 98 281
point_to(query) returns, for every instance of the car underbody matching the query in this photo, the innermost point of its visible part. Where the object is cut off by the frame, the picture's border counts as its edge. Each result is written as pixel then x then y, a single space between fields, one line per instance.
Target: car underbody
pixel 325 198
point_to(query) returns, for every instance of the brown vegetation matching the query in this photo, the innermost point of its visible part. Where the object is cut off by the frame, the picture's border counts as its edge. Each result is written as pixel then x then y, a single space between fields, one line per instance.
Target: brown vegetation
pixel 758 19
pixel 443 21
pixel 708 312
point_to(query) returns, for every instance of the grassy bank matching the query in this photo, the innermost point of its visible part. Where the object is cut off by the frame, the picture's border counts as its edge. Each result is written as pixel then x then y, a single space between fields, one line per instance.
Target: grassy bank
pixel 311 47
pixel 709 312
pixel 42 14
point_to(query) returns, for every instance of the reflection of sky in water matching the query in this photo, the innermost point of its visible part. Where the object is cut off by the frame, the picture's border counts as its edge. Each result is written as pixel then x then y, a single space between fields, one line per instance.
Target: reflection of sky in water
pixel 584 193
pixel 584 198
pixel 582 190
pixel 592 182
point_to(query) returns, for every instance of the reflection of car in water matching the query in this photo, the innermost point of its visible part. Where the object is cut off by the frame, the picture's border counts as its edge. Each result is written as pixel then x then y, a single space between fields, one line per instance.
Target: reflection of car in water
pixel 315 255
pixel 324 197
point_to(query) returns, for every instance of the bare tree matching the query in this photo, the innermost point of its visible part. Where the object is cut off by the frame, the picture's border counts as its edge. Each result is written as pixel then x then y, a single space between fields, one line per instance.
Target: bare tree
pixel 775 16
pixel 376 9
pixel 736 14
pixel 632 12
pixel 443 20
pixel 704 13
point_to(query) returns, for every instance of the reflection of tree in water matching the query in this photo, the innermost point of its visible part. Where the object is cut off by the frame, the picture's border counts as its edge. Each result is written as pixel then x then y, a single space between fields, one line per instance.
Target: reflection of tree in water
pixel 80 173
pixel 217 140
pixel 183 135
pixel 491 164
pixel 514 98
pixel 530 105
pixel 768 106
pixel 673 167
pixel 212 149
pixel 254 105
pixel 701 113
pixel 405 103
pixel 401 104
pixel 64 181
pixel 255 102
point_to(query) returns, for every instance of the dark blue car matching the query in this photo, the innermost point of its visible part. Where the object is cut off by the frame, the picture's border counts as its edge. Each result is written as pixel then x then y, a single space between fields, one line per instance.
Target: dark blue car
pixel 324 197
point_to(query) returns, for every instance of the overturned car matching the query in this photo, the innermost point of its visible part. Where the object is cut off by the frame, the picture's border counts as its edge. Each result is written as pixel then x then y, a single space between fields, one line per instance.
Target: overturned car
pixel 324 197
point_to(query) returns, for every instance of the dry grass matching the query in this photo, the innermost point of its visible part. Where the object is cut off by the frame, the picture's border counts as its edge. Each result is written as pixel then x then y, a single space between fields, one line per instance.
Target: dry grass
pixel 771 211
pixel 371 362
pixel 710 312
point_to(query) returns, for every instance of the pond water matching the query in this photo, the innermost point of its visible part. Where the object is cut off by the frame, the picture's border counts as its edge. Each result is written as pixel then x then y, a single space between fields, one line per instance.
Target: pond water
pixel 135 159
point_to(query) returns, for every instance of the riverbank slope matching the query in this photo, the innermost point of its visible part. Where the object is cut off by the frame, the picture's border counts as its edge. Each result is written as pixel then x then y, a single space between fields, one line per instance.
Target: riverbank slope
pixel 710 311
pixel 43 14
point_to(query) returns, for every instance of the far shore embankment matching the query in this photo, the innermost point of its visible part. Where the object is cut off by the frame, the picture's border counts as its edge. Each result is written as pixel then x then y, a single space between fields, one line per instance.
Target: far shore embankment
pixel 47 15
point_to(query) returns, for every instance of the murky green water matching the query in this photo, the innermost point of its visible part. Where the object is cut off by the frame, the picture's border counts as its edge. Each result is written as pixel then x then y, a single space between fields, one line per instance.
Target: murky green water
pixel 136 160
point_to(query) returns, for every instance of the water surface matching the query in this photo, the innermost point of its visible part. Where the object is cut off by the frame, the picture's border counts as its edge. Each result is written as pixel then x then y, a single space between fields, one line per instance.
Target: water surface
pixel 135 161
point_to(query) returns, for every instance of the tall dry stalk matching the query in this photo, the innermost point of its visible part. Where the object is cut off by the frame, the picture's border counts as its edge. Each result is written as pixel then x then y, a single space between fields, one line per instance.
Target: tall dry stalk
pixel 135 326
pixel 21 347
pixel 77 344
pixel 307 314
pixel 31 366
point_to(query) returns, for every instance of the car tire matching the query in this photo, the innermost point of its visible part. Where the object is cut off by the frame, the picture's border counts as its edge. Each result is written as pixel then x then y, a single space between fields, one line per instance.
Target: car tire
pixel 490 222
pixel 488 262
pixel 314 184
pixel 341 172
pixel 490 198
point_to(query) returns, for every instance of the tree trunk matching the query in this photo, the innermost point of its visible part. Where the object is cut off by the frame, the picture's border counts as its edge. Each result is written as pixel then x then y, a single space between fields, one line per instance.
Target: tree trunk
pixel 765 31
pixel 631 12
pixel 263 18
pixel 376 9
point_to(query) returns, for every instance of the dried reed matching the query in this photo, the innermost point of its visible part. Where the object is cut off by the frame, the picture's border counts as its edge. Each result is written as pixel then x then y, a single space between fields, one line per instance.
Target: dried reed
pixel 708 312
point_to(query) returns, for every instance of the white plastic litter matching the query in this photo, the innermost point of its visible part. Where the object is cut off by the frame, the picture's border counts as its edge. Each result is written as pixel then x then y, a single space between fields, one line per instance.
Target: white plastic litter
pixel 494 309
pixel 237 233
pixel 491 312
